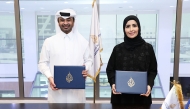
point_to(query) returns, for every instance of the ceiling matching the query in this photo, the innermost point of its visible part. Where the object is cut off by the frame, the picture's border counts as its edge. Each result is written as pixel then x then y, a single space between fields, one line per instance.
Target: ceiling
pixel 85 5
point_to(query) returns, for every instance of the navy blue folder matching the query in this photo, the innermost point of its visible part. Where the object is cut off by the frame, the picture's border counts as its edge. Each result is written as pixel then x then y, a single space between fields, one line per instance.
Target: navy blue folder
pixel 69 77
pixel 131 82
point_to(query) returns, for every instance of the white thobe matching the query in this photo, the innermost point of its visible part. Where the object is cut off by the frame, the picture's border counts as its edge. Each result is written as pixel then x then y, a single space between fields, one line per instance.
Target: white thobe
pixel 64 49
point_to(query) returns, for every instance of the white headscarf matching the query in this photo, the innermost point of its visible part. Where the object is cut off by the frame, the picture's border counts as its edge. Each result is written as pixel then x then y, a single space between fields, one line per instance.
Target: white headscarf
pixel 79 41
pixel 72 14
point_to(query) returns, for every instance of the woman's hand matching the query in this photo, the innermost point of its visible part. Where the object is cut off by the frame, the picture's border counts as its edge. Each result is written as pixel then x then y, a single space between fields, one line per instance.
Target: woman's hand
pixel 148 92
pixel 114 90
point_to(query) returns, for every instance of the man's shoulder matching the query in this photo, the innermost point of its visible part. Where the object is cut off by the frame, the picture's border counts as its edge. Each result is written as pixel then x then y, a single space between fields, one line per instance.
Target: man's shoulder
pixel 50 38
pixel 83 40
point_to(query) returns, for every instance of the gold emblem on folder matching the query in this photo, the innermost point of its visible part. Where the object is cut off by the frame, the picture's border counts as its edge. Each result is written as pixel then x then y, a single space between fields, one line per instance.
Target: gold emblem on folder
pixel 131 82
pixel 69 77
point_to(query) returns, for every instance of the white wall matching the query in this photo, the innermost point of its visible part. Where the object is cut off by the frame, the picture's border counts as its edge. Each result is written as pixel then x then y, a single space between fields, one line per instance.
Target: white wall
pixel 30 45
pixel 164 47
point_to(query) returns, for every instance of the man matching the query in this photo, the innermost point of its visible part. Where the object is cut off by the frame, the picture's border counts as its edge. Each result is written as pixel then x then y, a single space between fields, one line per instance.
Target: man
pixel 67 47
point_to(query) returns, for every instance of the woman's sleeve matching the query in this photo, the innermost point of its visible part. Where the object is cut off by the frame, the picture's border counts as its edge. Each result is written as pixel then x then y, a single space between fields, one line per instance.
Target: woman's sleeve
pixel 110 70
pixel 152 70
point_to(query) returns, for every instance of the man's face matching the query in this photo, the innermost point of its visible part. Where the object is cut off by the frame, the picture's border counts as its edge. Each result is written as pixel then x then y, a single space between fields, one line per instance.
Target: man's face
pixel 66 25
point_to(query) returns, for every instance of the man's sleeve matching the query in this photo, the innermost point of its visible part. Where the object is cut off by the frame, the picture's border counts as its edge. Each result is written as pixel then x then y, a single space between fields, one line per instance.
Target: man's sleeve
pixel 88 62
pixel 44 60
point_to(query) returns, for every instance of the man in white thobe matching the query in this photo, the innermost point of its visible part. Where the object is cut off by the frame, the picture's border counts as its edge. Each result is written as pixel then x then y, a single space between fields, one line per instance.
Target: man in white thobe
pixel 67 47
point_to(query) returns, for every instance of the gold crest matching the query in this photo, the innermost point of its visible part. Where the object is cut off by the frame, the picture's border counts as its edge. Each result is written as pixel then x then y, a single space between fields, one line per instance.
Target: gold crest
pixel 131 82
pixel 189 106
pixel 172 106
pixel 94 38
pixel 69 77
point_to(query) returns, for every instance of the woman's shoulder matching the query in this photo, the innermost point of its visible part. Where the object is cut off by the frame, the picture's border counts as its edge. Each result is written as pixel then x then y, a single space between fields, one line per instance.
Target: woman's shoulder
pixel 119 46
pixel 149 48
pixel 148 45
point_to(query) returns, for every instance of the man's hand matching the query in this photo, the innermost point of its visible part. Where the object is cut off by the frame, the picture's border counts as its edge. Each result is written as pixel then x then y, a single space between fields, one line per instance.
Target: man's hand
pixel 85 73
pixel 148 92
pixel 52 84
pixel 114 90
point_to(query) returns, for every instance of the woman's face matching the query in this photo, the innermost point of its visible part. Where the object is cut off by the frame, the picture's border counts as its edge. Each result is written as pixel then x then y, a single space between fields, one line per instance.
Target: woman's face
pixel 131 29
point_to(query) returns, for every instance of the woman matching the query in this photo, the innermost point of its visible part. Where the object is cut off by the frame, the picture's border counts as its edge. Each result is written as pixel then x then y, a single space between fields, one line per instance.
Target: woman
pixel 134 54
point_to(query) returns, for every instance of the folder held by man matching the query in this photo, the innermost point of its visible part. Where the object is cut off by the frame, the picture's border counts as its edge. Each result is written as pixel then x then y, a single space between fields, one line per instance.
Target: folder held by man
pixel 69 77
